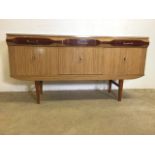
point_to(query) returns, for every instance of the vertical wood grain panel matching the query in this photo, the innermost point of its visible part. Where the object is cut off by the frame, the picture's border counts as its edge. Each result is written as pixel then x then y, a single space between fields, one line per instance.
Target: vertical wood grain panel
pixel 90 60
pixel 80 60
pixel 111 61
pixel 117 61
pixel 29 61
pixel 48 61
pixel 135 60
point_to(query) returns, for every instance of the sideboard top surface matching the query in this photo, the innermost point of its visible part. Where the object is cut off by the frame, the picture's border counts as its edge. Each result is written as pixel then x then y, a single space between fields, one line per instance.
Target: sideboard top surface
pixel 76 36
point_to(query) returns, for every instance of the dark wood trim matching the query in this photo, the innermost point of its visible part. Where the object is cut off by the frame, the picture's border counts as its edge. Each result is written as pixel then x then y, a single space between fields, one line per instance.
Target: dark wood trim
pixel 81 42
pixel 129 43
pixel 94 42
pixel 75 42
pixel 32 41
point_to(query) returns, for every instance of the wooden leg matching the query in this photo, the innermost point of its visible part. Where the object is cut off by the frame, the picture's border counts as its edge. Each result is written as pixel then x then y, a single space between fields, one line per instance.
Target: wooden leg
pixel 41 87
pixel 38 90
pixel 120 90
pixel 109 87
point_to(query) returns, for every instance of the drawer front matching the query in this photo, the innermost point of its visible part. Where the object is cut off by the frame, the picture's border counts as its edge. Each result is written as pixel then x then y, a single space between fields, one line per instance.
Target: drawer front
pixel 33 61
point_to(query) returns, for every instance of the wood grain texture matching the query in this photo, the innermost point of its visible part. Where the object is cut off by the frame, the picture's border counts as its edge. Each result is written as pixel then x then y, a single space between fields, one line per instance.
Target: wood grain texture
pixel 29 40
pixel 41 62
pixel 134 61
pixel 33 61
pixel 45 61
pixel 73 60
pixel 116 61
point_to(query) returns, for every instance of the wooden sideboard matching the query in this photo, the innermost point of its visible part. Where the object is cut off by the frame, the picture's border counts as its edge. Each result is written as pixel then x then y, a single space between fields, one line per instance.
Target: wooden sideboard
pixel 47 58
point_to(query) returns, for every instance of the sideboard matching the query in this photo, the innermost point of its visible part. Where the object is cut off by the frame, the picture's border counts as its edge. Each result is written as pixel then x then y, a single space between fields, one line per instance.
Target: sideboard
pixel 48 58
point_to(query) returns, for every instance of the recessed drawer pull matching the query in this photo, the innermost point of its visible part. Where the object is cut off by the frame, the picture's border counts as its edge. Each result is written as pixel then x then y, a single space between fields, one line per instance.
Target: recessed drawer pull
pixel 33 58
pixel 80 59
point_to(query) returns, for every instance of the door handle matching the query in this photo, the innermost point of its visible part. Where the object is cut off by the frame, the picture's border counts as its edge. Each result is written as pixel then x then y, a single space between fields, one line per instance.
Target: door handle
pixel 33 58
pixel 80 59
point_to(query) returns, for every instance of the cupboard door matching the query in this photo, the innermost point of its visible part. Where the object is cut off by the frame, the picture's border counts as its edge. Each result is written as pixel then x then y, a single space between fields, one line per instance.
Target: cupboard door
pixel 33 61
pixel 111 61
pixel 124 61
pixel 80 60
pixel 134 61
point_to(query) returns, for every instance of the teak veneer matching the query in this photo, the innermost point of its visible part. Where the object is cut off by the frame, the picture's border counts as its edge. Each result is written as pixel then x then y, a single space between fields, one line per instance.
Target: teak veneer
pixel 43 58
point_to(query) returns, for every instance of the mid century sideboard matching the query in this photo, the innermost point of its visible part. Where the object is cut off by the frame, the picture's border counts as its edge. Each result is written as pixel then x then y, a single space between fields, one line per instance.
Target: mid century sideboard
pixel 47 58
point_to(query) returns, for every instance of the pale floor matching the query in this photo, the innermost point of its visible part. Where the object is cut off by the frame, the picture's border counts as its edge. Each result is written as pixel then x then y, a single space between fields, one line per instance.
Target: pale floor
pixel 78 112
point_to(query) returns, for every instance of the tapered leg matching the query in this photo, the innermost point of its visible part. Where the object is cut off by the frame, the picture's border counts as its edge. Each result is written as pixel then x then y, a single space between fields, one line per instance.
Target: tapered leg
pixel 109 87
pixel 38 90
pixel 120 90
pixel 41 87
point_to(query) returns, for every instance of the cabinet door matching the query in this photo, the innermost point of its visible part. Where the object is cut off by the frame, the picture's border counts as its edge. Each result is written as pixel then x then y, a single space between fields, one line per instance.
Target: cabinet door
pixel 80 60
pixel 111 61
pixel 33 61
pixel 134 61
pixel 124 61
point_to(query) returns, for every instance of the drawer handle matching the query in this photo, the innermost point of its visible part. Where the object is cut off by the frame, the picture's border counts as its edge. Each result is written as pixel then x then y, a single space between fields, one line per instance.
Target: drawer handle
pixel 33 58
pixel 80 58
